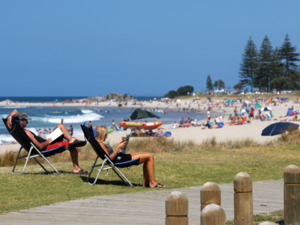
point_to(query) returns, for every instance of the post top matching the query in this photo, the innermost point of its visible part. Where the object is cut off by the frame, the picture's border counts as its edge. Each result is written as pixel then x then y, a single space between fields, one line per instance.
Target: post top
pixel 213 210
pixel 292 169
pixel 242 182
pixel 210 186
pixel 292 175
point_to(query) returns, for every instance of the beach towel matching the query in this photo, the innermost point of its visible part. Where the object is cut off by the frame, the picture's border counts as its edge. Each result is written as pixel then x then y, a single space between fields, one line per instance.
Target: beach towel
pixel 289 112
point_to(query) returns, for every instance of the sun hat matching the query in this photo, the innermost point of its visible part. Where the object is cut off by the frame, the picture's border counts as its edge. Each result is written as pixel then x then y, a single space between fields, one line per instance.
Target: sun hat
pixel 23 115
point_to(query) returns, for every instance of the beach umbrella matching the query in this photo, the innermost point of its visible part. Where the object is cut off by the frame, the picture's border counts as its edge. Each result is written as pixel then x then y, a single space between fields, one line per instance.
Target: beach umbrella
pixel 225 98
pixel 267 109
pixel 243 110
pixel 258 106
pixel 209 98
pixel 229 101
pixel 278 128
pixel 247 110
pixel 141 114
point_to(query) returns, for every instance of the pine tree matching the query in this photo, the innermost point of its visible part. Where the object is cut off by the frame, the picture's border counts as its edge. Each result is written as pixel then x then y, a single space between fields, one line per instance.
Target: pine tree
pixel 249 64
pixel 290 57
pixel 219 84
pixel 265 65
pixel 209 84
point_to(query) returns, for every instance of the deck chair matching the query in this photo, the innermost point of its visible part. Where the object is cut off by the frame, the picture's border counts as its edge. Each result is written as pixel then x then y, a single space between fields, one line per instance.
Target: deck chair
pixel 33 151
pixel 90 137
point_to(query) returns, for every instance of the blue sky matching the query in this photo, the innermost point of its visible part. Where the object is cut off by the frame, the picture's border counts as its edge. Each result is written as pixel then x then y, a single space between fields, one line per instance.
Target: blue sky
pixel 87 48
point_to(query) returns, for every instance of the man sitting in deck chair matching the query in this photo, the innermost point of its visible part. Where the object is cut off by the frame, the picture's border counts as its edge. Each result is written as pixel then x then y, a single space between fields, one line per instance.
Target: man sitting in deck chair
pixel 41 143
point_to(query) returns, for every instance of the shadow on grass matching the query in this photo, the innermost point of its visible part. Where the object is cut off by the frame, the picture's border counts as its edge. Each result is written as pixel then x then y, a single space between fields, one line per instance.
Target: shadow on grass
pixel 107 182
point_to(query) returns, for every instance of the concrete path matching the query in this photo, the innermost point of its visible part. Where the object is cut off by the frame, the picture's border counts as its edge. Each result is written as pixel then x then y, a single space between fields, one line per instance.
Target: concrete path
pixel 141 208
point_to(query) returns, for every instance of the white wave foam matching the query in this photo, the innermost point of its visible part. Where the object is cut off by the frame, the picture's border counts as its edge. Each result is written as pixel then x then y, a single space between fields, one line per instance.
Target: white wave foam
pixel 69 119
pixel 14 107
pixel 86 111
pixel 78 133
pixel 6 138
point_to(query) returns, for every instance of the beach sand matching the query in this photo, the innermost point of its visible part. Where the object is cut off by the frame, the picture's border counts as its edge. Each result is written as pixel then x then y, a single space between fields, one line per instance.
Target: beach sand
pixel 197 134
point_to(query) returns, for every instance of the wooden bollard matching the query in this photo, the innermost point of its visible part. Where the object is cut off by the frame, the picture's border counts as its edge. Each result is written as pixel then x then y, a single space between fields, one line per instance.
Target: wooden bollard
pixel 243 199
pixel 210 193
pixel 268 223
pixel 292 195
pixel 213 215
pixel 177 209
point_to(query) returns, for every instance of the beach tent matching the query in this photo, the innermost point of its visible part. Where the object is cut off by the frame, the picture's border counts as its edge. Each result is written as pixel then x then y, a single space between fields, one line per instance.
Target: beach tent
pixel 209 98
pixel 225 98
pixel 141 114
pixel 258 106
pixel 229 101
pixel 278 128
pixel 267 109
pixel 277 97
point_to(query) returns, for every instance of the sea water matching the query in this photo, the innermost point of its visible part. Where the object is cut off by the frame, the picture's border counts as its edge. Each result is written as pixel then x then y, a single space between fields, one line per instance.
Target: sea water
pixel 49 117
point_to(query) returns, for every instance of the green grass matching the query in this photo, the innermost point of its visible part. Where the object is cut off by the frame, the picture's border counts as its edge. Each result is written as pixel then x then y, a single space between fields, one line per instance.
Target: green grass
pixel 263 217
pixel 174 169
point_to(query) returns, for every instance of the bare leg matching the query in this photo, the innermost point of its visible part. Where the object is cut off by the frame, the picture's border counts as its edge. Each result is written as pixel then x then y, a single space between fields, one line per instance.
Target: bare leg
pixel 148 167
pixel 66 133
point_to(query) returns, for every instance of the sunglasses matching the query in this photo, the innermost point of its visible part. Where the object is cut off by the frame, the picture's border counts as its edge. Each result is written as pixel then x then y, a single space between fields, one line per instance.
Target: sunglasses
pixel 25 120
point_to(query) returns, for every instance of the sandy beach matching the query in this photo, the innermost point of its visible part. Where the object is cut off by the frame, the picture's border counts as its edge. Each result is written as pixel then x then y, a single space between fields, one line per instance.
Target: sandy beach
pixel 196 134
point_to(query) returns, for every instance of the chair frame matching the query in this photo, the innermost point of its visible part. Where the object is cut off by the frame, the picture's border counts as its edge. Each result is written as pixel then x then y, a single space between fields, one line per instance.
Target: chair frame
pixel 29 156
pixel 106 160
pixel 33 152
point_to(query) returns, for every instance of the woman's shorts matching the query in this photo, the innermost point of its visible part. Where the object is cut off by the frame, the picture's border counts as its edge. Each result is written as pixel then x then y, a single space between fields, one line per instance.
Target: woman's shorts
pixel 122 158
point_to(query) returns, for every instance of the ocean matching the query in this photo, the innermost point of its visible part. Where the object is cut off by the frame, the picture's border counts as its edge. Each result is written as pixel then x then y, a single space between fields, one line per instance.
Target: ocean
pixel 48 117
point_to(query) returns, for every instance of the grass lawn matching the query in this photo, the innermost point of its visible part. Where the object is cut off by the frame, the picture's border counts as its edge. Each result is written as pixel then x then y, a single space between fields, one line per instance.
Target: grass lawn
pixel 174 169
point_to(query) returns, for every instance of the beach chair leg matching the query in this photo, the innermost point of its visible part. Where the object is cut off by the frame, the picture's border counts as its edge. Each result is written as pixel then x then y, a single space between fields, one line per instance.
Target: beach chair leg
pixel 27 158
pixel 87 180
pixel 44 159
pixel 41 165
pixel 13 170
pixel 122 177
pixel 99 171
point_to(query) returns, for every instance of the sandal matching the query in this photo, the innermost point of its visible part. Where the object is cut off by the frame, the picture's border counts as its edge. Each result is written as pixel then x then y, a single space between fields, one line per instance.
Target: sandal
pixel 81 172
pixel 158 185
pixel 77 143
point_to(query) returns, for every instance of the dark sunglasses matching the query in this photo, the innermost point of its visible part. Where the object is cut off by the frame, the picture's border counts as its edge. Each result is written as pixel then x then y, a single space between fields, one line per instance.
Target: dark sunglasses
pixel 25 120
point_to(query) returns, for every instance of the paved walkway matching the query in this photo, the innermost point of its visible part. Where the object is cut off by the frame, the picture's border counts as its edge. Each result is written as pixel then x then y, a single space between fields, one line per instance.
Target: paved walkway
pixel 141 208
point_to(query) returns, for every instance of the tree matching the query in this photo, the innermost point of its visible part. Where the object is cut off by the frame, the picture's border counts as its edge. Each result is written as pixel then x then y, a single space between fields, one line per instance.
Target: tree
pixel 184 90
pixel 209 84
pixel 219 84
pixel 265 64
pixel 239 86
pixel 290 57
pixel 248 66
pixel 171 94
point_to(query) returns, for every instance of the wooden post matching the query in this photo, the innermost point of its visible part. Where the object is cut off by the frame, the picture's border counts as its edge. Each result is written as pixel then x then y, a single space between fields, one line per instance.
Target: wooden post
pixel 292 195
pixel 268 223
pixel 243 199
pixel 213 215
pixel 210 193
pixel 177 209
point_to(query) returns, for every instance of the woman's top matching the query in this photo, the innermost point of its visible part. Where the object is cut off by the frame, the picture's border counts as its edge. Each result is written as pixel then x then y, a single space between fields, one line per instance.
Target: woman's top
pixel 109 149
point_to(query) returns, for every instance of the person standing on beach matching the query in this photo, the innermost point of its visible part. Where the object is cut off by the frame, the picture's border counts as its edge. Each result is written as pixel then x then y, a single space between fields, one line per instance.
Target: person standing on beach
pixel 71 130
pixel 208 115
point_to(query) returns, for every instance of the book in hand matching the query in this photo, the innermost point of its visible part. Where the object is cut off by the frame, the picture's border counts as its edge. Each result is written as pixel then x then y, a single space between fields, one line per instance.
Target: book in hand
pixel 123 150
pixel 55 135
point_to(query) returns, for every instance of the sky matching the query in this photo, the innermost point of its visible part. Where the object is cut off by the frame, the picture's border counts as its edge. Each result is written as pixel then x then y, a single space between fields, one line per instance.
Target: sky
pixel 91 48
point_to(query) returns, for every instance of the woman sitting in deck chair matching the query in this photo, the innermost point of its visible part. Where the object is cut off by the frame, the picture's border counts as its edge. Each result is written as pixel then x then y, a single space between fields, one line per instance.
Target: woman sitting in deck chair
pixel 115 155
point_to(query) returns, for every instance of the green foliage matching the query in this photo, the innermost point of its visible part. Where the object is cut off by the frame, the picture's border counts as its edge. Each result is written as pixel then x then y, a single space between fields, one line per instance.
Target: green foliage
pixel 181 91
pixel 185 89
pixel 209 84
pixel 249 63
pixel 171 94
pixel 219 84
